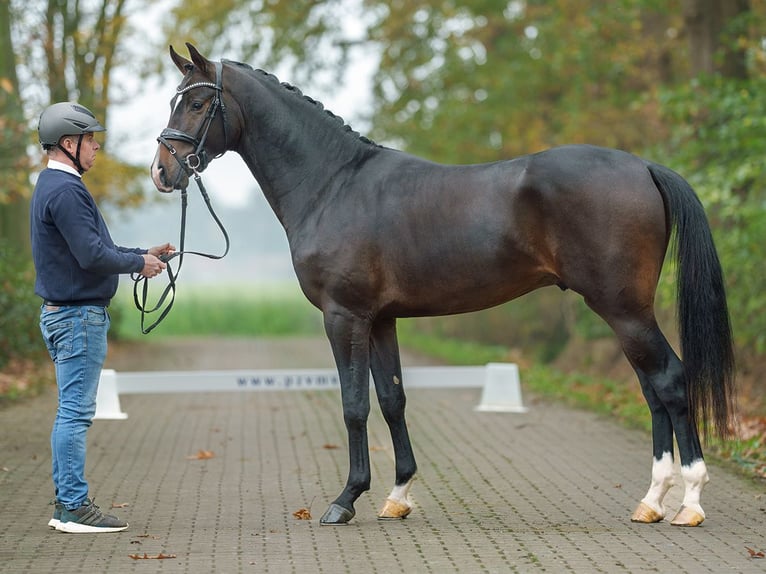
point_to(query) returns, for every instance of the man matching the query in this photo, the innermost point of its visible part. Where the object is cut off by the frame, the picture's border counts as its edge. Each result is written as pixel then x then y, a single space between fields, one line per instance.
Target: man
pixel 77 266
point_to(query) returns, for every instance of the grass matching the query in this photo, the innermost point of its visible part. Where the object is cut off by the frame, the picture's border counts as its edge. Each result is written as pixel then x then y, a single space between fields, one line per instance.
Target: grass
pixel 225 311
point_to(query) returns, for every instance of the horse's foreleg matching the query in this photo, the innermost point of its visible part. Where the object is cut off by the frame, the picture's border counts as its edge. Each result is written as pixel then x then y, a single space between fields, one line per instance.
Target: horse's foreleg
pixel 387 373
pixel 349 339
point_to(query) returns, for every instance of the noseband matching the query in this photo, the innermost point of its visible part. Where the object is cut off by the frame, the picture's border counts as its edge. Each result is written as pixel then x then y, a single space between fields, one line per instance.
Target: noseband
pixel 196 161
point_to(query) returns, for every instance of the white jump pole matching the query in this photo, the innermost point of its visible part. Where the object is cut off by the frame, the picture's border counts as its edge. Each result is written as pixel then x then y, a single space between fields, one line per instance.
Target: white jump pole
pixel 500 382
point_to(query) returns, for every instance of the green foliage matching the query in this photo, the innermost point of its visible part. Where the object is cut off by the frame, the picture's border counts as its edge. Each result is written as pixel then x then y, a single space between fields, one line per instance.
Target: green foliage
pixel 19 331
pixel 718 143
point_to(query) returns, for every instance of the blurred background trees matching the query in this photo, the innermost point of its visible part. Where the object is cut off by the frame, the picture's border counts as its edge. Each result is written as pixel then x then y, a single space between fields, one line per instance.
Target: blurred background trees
pixel 457 81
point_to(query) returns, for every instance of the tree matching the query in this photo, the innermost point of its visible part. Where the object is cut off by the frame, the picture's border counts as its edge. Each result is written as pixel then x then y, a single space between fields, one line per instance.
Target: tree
pixel 512 78
pixel 718 139
pixel 14 163
pixel 508 77
pixel 71 48
pixel 715 28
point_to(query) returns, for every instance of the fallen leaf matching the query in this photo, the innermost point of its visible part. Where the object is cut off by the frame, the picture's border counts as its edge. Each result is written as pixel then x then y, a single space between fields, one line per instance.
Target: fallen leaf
pixel 755 553
pixel 302 514
pixel 120 504
pixel 201 455
pixel 146 556
pixel 330 446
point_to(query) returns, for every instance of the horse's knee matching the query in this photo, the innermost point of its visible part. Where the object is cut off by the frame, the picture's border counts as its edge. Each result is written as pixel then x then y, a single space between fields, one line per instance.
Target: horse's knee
pixel 392 408
pixel 356 420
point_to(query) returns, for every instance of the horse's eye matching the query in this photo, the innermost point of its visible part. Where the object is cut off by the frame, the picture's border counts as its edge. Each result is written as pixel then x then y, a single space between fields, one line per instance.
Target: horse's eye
pixel 196 106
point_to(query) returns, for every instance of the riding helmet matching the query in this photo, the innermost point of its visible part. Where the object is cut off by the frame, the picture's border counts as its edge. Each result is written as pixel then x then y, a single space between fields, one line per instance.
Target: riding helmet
pixel 65 119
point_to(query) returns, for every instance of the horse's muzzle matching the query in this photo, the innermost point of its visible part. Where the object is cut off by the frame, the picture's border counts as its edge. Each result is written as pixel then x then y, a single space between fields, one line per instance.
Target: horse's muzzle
pixel 165 181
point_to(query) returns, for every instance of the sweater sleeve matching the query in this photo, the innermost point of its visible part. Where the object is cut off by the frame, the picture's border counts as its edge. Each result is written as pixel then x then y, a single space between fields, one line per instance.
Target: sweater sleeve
pixel 139 250
pixel 83 228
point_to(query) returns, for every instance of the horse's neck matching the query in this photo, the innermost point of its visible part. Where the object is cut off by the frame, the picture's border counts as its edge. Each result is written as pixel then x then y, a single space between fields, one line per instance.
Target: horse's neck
pixel 295 150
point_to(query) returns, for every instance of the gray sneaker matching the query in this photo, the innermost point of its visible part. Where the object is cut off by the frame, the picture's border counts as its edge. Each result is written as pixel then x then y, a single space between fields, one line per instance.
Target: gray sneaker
pixel 57 508
pixel 88 519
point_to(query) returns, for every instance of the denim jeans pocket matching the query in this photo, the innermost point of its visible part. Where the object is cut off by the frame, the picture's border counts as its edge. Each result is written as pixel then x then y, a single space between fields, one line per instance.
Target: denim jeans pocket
pixel 97 316
pixel 59 338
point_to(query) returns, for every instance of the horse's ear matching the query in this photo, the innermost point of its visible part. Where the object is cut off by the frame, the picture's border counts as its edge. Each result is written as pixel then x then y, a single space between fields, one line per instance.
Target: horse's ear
pixel 181 63
pixel 198 59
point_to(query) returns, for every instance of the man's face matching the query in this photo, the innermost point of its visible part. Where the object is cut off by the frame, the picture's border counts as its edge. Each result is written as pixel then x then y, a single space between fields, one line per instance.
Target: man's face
pixel 88 149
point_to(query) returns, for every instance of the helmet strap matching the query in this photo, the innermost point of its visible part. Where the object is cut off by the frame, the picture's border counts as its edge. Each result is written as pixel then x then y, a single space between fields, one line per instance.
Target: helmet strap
pixel 75 158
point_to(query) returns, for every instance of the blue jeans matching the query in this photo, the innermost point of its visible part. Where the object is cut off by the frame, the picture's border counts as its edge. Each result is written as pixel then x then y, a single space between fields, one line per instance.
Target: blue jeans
pixel 76 340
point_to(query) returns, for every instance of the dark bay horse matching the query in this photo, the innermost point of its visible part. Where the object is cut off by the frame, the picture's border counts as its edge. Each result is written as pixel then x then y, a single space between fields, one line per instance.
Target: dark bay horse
pixel 376 234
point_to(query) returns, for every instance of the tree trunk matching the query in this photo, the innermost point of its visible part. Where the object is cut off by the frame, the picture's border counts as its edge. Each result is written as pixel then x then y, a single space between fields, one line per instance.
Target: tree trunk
pixel 713 26
pixel 14 163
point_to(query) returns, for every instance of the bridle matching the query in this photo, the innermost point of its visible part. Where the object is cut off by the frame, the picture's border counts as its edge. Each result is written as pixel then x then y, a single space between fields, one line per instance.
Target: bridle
pixel 193 164
pixel 197 161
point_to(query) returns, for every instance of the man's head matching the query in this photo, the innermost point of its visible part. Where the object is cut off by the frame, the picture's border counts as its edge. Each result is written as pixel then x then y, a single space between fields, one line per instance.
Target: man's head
pixel 68 127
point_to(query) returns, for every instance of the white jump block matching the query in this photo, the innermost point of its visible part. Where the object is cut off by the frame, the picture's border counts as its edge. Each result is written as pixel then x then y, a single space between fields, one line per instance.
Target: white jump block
pixel 500 382
pixel 107 398
pixel 502 390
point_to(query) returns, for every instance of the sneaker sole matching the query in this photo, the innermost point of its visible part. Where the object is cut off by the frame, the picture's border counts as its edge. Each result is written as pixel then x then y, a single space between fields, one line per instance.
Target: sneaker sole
pixel 77 528
pixel 54 523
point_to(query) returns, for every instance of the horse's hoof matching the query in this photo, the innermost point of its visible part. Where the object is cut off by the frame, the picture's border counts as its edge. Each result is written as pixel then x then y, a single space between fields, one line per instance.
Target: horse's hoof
pixel 336 514
pixel 393 509
pixel 646 514
pixel 687 517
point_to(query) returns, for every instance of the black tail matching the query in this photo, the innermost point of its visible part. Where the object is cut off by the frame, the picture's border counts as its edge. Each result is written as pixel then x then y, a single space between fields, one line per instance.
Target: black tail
pixel 703 316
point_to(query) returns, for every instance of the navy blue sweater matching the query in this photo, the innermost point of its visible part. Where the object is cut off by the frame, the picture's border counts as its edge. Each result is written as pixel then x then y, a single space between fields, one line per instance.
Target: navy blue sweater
pixel 75 258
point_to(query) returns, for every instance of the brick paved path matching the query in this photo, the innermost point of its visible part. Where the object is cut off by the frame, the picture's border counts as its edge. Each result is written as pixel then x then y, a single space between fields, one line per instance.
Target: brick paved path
pixel 547 491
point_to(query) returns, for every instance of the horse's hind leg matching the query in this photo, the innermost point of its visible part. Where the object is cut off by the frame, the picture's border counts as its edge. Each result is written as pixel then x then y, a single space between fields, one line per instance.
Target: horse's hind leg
pixel 661 375
pixel 387 373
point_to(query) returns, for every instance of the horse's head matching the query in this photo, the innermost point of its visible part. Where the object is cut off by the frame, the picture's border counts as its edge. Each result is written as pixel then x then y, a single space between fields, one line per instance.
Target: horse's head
pixel 197 130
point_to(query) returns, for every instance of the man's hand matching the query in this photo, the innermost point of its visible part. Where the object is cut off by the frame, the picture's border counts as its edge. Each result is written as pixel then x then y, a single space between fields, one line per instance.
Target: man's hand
pixel 164 249
pixel 152 266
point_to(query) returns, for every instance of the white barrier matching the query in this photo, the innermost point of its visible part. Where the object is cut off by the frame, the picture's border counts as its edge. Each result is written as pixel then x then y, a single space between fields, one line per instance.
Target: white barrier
pixel 502 390
pixel 108 397
pixel 504 383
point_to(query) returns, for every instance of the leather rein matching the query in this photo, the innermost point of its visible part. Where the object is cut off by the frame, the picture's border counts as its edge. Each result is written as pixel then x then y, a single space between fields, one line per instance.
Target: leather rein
pixel 192 164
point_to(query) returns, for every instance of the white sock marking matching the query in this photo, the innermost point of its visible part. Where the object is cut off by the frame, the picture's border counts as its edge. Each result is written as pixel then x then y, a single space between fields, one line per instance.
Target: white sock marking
pixel 662 480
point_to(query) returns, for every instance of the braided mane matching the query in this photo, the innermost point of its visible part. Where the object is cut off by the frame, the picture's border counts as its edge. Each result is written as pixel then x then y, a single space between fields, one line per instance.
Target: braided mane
pixel 290 88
